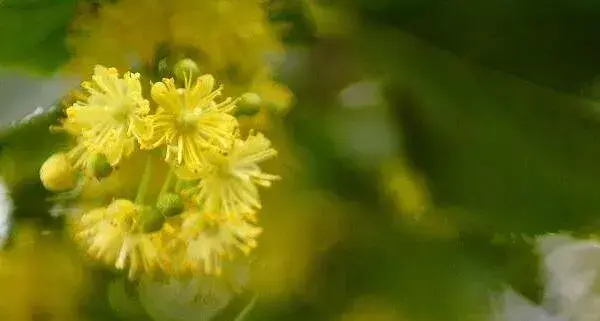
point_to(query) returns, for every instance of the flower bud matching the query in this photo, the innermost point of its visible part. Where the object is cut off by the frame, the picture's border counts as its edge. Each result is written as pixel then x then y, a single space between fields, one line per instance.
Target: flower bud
pixel 150 220
pixel 99 166
pixel 249 104
pixel 170 204
pixel 57 174
pixel 251 98
pixel 186 68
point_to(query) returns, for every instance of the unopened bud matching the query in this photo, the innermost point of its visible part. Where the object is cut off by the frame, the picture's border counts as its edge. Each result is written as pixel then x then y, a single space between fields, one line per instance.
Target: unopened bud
pixel 151 220
pixel 186 69
pixel 170 204
pixel 99 166
pixel 249 104
pixel 251 98
pixel 57 174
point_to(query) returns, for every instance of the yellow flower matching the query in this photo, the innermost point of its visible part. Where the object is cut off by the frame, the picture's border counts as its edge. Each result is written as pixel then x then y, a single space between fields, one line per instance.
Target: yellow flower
pixel 116 33
pixel 229 186
pixel 111 119
pixel 236 36
pixel 113 235
pixel 236 31
pixel 206 242
pixel 189 121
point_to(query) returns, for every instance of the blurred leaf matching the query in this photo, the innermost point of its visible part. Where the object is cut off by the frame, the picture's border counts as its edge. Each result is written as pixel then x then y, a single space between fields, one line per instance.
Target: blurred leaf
pixel 522 267
pixel 420 278
pixel 26 144
pixel 291 18
pixel 520 158
pixel 122 301
pixel 554 45
pixel 33 33
pixel 180 299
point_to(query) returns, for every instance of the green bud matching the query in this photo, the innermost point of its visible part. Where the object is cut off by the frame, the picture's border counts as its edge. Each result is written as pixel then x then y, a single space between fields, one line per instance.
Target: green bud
pixel 249 104
pixel 100 166
pixel 170 204
pixel 251 98
pixel 186 68
pixel 151 220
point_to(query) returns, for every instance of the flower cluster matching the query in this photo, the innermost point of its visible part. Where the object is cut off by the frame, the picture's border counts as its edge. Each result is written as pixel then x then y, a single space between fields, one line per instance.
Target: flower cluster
pixel 187 180
pixel 231 39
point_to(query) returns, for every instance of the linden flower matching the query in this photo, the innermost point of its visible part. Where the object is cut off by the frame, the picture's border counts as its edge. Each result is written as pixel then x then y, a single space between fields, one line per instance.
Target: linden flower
pixel 206 243
pixel 112 234
pixel 230 185
pixel 189 121
pixel 111 119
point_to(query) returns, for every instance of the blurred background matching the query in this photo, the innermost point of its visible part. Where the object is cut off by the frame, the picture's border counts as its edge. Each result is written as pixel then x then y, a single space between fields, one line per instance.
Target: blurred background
pixel 428 149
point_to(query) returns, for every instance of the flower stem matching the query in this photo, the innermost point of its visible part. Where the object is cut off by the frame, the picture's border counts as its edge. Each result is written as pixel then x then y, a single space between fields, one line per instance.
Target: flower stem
pixel 143 189
pixel 244 313
pixel 167 182
pixel 178 184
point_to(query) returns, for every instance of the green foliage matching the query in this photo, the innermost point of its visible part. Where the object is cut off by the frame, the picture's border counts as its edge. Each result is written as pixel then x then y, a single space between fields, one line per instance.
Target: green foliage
pixel 24 146
pixel 516 158
pixel 33 33
pixel 520 157
pixel 553 45
pixel 291 14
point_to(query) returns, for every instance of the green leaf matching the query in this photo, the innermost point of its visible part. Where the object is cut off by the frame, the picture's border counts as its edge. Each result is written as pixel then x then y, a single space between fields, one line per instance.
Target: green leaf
pixel 519 157
pixel 521 266
pixel 123 302
pixel 33 33
pixel 26 144
pixel 549 44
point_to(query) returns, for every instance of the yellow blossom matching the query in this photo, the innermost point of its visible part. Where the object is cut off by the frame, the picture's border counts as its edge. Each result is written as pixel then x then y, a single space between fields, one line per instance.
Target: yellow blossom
pixel 235 37
pixel 115 33
pixel 237 32
pixel 205 243
pixel 229 186
pixel 113 235
pixel 234 32
pixel 202 144
pixel 189 121
pixel 111 118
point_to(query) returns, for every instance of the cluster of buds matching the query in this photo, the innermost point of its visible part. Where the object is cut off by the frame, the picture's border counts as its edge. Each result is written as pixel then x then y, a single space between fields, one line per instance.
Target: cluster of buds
pixel 168 183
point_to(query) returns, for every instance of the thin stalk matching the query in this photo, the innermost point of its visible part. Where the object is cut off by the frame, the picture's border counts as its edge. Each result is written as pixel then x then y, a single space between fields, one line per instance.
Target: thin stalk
pixel 244 313
pixel 143 189
pixel 167 183
pixel 178 185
